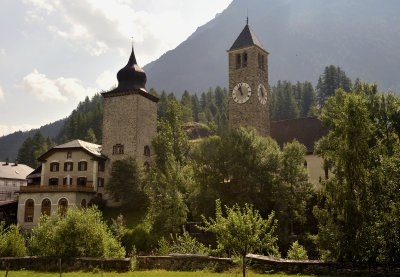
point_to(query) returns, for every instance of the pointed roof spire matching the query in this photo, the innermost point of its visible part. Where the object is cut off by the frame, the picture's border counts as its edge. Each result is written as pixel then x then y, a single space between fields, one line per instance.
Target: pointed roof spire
pixel 246 38
pixel 131 76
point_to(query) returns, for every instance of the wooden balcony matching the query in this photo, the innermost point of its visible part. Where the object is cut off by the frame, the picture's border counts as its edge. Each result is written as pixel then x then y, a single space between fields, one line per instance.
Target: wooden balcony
pixel 59 188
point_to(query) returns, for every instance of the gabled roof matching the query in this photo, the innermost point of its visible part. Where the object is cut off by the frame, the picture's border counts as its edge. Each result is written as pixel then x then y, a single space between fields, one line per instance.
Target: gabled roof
pixel 12 171
pixel 246 38
pixel 91 148
pixel 307 131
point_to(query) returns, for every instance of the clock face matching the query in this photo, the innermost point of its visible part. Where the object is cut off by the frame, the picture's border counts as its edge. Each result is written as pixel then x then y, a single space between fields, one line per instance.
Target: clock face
pixel 241 93
pixel 262 94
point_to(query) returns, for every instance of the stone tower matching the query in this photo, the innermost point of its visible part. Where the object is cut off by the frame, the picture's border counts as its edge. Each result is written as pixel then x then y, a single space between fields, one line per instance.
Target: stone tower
pixel 248 83
pixel 130 117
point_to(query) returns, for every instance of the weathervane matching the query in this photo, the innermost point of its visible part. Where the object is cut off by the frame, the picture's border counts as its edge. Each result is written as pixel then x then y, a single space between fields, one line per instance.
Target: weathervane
pixel 247 20
pixel 132 41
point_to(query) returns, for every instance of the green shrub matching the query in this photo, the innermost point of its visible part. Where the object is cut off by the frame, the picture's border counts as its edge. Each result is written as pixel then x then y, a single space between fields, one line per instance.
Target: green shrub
pixel 12 242
pixel 77 233
pixel 138 238
pixel 297 252
pixel 185 244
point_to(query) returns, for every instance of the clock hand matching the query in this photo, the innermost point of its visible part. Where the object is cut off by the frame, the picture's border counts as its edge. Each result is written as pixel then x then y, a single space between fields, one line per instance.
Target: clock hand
pixel 240 90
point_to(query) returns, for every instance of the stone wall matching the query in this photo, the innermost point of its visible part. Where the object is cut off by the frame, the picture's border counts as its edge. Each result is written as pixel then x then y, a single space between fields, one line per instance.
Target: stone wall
pixel 184 263
pixel 67 264
pixel 175 262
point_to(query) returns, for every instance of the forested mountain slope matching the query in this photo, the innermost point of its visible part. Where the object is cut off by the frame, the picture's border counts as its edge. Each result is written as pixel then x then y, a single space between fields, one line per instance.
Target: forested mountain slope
pixel 10 144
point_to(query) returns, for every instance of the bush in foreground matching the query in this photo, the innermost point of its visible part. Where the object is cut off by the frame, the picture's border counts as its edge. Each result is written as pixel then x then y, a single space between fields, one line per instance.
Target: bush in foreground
pixel 77 233
pixel 12 242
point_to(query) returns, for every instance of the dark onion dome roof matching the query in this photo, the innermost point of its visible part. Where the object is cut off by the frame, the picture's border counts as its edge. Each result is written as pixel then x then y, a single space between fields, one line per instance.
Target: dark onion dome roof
pixel 131 76
pixel 246 38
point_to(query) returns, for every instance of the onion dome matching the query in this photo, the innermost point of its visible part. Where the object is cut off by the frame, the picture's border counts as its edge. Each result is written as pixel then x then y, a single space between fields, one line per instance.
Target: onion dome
pixel 131 76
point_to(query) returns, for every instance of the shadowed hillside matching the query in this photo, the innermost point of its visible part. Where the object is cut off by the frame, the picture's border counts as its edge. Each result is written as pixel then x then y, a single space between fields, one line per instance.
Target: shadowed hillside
pixel 302 37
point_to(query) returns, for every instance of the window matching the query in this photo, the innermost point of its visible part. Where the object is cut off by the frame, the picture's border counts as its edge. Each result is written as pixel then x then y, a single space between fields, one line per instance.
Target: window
pixel 46 207
pixel 146 166
pixel 68 166
pixel 69 155
pixel 101 166
pixel 54 167
pixel 118 149
pixel 262 62
pixel 238 61
pixel 67 180
pixel 81 181
pixel 147 151
pixel 29 210
pixel 62 206
pixel 244 59
pixel 259 60
pixel 53 182
pixel 83 203
pixel 100 182
pixel 82 166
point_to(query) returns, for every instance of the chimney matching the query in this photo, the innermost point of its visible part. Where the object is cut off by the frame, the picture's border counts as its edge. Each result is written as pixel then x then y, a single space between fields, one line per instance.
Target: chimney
pixel 16 162
pixel 7 160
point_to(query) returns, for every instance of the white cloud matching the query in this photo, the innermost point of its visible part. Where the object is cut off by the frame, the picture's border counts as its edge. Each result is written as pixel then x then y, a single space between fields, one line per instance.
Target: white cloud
pixel 60 89
pixel 5 130
pixel 1 95
pixel 98 26
pixel 106 80
pixel 2 51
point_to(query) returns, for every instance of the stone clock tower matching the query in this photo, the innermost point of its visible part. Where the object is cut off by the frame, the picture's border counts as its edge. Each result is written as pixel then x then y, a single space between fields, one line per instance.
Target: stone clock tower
pixel 130 117
pixel 248 83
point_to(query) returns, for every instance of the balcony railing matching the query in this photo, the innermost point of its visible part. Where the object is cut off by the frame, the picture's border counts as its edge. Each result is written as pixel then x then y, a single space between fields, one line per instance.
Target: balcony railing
pixel 72 188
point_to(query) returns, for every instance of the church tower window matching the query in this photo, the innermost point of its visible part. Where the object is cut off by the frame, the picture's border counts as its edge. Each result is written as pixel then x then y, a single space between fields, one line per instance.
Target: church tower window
pixel 238 61
pixel 244 59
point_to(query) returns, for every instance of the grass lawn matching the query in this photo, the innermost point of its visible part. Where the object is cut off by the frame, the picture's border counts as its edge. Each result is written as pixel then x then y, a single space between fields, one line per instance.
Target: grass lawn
pixel 153 273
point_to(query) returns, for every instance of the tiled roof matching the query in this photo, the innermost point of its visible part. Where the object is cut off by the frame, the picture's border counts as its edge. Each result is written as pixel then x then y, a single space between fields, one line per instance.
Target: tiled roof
pixel 95 149
pixel 246 38
pixel 12 171
pixel 306 130
pixel 91 148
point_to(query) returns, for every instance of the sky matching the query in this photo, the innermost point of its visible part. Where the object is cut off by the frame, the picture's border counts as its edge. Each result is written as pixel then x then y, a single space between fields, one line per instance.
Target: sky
pixel 54 53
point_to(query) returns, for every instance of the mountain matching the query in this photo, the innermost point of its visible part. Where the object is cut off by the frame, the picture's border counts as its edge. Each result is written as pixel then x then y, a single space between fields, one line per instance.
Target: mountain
pixel 302 37
pixel 10 144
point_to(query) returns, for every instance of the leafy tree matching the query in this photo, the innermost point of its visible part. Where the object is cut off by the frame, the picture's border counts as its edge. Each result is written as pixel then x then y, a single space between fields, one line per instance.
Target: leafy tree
pixel 171 141
pixel 359 203
pixel 126 183
pixel 77 233
pixel 12 242
pixel 166 189
pixel 243 231
pixel 297 252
